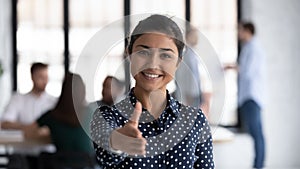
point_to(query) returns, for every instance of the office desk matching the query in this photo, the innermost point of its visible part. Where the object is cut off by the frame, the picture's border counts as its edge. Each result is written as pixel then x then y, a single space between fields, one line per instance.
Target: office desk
pixel 13 141
pixel 221 134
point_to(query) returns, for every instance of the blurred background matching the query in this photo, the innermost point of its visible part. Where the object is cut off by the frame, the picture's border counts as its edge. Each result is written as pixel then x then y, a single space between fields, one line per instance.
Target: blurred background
pixel 56 31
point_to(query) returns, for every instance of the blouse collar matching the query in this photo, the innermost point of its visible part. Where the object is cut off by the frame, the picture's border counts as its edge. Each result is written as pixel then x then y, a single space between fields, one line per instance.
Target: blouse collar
pixel 172 105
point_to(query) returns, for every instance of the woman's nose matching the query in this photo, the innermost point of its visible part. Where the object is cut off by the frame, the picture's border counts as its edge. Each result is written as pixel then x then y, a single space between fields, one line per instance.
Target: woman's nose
pixel 154 61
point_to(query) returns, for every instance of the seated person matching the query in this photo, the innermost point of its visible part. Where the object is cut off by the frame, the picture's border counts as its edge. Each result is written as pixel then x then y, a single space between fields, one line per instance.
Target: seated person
pixel 63 121
pixel 23 109
pixel 111 91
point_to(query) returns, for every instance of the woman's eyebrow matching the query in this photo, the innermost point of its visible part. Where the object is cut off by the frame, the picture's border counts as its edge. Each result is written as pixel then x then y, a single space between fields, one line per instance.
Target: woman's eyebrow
pixel 167 49
pixel 143 46
pixel 164 49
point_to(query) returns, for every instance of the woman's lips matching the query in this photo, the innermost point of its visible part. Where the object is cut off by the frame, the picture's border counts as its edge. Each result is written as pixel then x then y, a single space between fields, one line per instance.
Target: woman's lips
pixel 151 75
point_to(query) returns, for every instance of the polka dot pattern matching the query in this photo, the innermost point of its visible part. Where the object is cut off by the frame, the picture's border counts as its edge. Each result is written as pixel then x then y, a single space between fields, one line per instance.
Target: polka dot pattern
pixel 179 138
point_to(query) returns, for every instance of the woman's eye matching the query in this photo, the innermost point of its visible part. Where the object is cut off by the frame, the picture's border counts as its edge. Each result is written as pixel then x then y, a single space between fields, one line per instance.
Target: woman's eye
pixel 143 53
pixel 166 56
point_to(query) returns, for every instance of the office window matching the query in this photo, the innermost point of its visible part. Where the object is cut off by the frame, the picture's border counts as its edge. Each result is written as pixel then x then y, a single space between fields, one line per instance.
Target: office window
pixel 170 7
pixel 40 39
pixel 217 20
pixel 87 17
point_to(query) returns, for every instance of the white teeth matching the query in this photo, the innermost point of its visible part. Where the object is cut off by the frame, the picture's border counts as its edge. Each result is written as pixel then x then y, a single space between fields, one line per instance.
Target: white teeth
pixel 151 75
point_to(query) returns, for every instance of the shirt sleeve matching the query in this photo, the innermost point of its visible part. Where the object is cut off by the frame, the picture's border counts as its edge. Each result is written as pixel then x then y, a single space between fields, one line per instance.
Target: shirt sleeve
pixel 204 148
pixel 103 123
pixel 12 110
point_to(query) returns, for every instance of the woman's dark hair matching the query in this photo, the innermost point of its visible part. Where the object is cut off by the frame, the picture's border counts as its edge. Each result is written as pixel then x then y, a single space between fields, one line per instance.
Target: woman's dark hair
pixel 161 24
pixel 71 100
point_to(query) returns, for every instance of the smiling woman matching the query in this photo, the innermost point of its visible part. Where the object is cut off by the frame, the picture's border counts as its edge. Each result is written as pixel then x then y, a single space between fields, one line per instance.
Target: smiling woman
pixel 149 128
pixel 153 62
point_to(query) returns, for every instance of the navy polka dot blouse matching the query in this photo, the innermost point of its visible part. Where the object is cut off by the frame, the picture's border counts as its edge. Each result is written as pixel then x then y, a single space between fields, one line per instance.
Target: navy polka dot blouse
pixel 179 138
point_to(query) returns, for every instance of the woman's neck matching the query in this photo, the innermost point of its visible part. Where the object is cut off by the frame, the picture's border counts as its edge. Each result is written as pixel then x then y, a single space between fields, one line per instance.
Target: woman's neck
pixel 154 101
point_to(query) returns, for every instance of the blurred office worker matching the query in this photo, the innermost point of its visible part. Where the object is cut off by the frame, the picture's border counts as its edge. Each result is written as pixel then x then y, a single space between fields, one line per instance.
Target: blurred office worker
pixel 250 88
pixel 192 87
pixel 24 109
pixel 112 92
pixel 63 120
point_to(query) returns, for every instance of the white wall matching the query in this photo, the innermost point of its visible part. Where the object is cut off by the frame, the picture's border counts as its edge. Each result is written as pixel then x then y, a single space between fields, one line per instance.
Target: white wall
pixel 278 25
pixel 5 52
pixel 278 29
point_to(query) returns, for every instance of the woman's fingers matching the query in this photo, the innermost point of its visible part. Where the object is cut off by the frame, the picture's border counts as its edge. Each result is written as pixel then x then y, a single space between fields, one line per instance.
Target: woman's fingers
pixel 129 138
pixel 130 145
pixel 135 117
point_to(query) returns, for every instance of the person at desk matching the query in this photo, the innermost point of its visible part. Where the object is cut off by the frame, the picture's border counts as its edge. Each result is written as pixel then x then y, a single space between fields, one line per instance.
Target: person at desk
pixel 23 109
pixel 111 91
pixel 63 121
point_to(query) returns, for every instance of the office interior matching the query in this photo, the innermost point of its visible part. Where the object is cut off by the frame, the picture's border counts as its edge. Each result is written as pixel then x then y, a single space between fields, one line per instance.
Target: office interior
pixel 57 31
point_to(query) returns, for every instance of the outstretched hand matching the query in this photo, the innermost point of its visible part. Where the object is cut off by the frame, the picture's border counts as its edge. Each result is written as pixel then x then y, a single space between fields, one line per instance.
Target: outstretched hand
pixel 129 138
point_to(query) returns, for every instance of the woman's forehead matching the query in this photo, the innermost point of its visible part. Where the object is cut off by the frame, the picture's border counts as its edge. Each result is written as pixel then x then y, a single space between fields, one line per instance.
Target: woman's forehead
pixel 156 40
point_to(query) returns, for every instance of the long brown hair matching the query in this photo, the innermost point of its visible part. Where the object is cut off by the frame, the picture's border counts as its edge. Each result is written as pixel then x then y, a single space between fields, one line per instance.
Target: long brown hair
pixel 71 100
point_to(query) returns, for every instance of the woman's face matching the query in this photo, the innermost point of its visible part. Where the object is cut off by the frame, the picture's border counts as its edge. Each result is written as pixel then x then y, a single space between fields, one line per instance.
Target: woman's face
pixel 154 60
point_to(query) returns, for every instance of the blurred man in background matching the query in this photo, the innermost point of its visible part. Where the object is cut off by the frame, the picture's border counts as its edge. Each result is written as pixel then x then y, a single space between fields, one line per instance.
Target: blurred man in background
pixel 23 109
pixel 250 88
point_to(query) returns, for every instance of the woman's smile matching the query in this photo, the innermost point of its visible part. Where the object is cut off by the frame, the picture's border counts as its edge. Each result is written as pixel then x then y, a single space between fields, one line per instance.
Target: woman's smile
pixel 151 75
pixel 154 61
